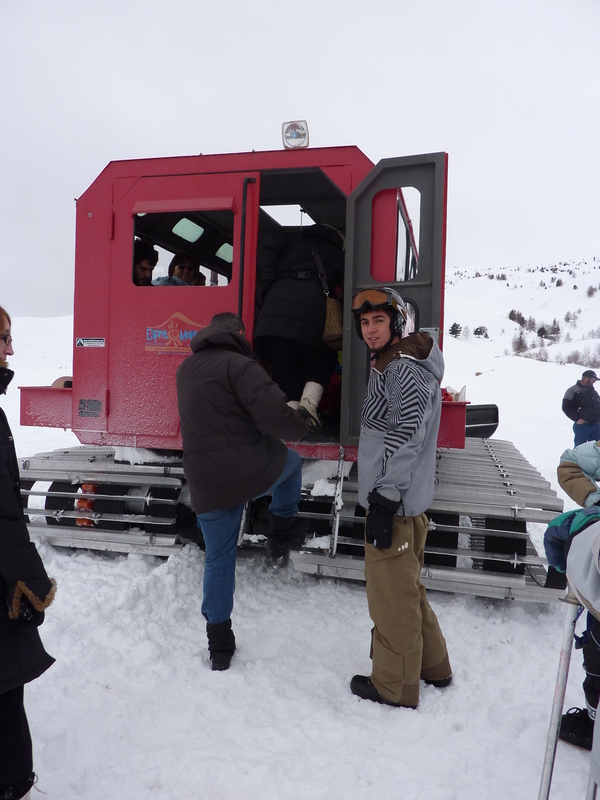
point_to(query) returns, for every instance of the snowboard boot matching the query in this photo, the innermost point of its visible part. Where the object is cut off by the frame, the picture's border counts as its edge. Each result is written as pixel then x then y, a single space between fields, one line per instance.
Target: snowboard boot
pixel 284 533
pixel 293 404
pixel 311 397
pixel 440 684
pixel 577 728
pixel 221 644
pixel 361 686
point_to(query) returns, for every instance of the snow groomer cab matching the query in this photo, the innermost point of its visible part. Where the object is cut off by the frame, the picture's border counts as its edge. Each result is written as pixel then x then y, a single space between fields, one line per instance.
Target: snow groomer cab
pixel 124 490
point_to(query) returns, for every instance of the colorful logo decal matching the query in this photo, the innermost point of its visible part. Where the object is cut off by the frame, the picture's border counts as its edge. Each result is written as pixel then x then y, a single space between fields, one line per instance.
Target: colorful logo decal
pixel 172 336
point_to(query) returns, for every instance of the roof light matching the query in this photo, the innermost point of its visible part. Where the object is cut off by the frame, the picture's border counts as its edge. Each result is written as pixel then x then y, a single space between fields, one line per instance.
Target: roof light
pixel 295 134
pixel 188 230
pixel 225 252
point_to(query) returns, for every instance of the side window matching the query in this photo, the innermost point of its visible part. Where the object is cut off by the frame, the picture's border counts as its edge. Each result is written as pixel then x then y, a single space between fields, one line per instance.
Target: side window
pixel 183 248
pixel 407 249
pixel 412 322
pixel 395 227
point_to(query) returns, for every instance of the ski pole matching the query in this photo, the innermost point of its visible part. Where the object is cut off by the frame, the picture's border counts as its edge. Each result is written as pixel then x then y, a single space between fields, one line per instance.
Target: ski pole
pixel 559 694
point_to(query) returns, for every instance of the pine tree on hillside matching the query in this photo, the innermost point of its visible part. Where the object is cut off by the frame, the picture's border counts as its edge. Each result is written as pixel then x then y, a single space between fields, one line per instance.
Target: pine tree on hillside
pixel 455 330
pixel 519 343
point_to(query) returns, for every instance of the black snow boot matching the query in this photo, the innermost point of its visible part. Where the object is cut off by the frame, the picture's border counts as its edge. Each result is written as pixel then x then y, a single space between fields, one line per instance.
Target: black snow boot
pixel 284 533
pixel 221 644
pixel 577 728
pixel 18 791
pixel 439 684
pixel 361 686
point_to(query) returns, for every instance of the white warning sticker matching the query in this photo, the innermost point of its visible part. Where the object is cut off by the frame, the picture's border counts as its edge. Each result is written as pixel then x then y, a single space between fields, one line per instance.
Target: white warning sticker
pixel 94 342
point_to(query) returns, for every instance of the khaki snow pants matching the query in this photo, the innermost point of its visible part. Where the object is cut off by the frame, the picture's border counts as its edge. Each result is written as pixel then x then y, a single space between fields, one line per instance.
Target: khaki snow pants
pixel 406 640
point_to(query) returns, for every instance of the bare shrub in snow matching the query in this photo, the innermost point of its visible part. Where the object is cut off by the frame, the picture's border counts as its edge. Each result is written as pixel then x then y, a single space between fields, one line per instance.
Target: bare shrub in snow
pixel 519 343
pixel 540 355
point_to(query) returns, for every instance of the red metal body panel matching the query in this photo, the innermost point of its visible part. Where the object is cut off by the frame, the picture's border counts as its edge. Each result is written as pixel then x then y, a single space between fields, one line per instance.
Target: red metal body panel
pixel 451 434
pixel 129 340
pixel 452 424
pixel 46 407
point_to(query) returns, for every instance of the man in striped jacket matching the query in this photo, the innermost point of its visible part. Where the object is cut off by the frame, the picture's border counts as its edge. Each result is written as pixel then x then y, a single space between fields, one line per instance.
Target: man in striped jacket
pixel 396 473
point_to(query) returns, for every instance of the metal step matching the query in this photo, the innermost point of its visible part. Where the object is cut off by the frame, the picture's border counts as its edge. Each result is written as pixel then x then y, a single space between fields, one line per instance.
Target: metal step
pixel 479 491
pixel 112 541
pixel 455 580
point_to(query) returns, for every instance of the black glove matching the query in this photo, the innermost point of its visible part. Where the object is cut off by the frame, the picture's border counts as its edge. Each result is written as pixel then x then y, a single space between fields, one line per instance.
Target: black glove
pixel 29 617
pixel 380 520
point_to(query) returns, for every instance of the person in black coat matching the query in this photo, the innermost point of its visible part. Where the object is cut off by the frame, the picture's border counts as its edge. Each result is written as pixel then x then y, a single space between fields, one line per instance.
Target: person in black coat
pixel 581 403
pixel 233 418
pixel 25 593
pixel 291 304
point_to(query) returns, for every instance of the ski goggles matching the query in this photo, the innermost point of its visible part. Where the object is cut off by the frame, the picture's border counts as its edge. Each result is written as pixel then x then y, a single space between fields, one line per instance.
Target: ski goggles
pixel 373 299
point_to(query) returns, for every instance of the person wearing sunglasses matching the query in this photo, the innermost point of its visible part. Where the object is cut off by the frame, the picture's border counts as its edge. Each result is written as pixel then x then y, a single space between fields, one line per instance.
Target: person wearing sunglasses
pixel 185 269
pixel 25 593
pixel 396 473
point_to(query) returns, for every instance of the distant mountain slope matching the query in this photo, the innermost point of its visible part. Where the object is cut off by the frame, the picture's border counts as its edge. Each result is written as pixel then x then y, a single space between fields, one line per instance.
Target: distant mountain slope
pixel 559 301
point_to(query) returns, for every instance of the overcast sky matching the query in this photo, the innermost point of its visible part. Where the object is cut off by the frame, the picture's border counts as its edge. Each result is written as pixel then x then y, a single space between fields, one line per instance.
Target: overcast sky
pixel 509 89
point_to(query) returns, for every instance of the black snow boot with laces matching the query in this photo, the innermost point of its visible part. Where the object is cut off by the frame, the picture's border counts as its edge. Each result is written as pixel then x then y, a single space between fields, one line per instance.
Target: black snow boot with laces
pixel 221 644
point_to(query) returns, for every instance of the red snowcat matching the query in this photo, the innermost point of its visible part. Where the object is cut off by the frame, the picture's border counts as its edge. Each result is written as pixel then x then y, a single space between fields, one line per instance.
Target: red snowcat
pixel 124 488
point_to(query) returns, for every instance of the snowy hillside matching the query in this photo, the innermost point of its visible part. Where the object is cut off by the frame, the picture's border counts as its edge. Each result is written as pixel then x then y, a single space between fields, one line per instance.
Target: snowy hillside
pixel 556 306
pixel 527 389
pixel 131 708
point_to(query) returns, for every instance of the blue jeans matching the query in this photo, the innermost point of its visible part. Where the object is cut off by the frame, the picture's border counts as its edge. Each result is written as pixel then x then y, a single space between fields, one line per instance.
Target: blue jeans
pixel 586 432
pixel 220 530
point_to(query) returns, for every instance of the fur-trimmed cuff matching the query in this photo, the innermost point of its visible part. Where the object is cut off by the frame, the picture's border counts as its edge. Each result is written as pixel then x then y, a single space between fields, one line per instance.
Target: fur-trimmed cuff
pixel 39 605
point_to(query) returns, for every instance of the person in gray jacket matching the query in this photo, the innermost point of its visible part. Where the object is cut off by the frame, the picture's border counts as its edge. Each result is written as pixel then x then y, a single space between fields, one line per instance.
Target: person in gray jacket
pixel 396 473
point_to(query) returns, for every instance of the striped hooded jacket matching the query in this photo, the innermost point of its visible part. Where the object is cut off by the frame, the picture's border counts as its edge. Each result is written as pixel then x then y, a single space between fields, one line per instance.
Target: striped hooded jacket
pixel 399 425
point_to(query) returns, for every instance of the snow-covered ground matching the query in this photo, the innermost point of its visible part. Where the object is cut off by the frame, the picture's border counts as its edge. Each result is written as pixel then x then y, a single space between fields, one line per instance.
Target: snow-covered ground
pixel 131 708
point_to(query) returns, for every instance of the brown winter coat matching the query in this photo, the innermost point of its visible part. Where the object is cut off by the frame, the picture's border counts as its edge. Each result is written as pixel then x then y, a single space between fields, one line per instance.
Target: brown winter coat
pixel 233 418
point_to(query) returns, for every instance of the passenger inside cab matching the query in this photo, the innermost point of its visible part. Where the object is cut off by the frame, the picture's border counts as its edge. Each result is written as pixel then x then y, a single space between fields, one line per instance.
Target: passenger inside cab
pixel 145 258
pixel 296 270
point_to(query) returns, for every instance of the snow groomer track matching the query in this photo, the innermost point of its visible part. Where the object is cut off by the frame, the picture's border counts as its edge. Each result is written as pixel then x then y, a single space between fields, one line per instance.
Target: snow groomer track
pixel 478 541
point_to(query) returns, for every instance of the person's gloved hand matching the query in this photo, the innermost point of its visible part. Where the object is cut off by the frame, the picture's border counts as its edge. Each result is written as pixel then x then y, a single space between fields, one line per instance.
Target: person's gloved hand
pixel 380 520
pixel 555 540
pixel 29 617
pixel 560 533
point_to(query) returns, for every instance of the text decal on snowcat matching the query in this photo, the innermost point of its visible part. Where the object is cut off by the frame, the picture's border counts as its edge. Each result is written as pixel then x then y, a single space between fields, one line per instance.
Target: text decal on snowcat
pixel 172 336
